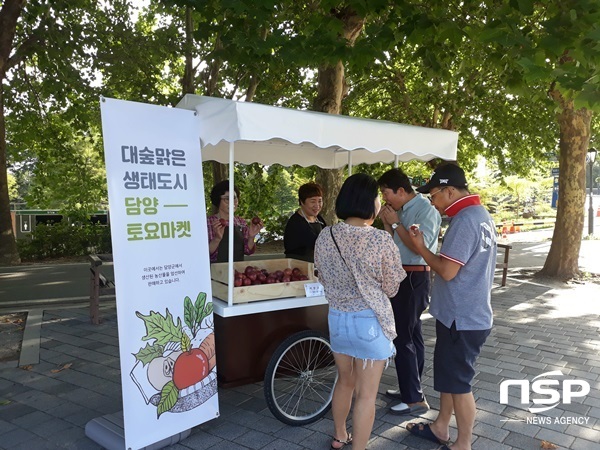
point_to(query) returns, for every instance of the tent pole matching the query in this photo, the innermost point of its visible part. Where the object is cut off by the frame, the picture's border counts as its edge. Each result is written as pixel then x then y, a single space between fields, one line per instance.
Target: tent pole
pixel 349 163
pixel 395 161
pixel 230 230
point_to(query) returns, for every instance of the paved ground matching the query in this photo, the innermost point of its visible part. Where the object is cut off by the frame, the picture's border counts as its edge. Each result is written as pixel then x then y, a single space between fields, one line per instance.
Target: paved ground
pixel 538 328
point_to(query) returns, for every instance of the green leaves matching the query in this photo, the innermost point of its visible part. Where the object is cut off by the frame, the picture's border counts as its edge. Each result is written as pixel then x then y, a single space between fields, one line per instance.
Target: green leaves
pixel 148 353
pixel 525 7
pixel 194 314
pixel 161 328
pixel 168 397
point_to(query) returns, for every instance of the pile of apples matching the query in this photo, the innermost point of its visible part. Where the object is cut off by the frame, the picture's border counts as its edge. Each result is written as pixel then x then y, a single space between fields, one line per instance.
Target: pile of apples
pixel 253 275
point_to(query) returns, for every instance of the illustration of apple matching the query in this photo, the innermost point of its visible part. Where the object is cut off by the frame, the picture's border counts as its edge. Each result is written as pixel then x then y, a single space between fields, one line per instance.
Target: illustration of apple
pixel 190 368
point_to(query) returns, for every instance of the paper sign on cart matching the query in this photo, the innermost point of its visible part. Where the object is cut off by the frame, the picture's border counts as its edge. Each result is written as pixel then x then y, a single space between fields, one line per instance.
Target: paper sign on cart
pixel 314 289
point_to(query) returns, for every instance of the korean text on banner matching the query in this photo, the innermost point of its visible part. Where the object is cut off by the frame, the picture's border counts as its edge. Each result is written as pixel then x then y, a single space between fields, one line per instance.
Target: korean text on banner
pixel 162 274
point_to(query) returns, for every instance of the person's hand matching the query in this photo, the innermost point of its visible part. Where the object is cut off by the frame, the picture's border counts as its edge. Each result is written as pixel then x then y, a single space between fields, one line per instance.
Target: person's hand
pixel 218 229
pixel 416 236
pixel 254 228
pixel 388 215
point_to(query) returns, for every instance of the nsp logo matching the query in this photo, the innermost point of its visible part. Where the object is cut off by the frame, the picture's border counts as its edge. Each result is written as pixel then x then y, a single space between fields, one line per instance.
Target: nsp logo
pixel 541 386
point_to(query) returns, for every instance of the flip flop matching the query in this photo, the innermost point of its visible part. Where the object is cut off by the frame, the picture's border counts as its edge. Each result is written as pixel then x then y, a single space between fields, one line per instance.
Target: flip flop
pixel 344 443
pixel 424 432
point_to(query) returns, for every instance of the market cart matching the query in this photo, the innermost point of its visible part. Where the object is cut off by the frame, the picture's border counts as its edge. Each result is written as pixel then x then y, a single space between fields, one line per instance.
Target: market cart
pixel 283 341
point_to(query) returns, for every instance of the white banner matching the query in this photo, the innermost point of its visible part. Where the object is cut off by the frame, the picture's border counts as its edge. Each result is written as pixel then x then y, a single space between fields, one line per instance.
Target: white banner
pixel 161 265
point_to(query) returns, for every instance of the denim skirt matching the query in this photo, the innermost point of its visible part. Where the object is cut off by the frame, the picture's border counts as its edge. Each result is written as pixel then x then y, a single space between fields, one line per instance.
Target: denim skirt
pixel 358 334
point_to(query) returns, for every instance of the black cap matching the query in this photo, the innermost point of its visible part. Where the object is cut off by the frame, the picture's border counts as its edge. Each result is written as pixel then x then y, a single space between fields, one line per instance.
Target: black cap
pixel 445 175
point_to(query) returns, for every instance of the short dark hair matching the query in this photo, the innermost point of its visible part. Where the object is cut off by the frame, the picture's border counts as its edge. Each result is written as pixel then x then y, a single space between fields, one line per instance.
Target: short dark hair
pixel 219 189
pixel 357 197
pixel 309 190
pixel 394 179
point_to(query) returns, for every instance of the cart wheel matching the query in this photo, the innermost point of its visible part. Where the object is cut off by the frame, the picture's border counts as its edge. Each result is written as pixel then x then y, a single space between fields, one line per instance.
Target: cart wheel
pixel 300 378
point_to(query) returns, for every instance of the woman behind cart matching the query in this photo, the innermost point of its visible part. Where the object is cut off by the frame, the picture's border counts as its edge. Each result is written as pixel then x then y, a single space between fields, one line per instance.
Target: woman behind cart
pixel 360 268
pixel 218 232
pixel 305 224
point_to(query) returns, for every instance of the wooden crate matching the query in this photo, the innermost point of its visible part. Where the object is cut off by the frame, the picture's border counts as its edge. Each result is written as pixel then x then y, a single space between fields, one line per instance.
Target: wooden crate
pixel 252 293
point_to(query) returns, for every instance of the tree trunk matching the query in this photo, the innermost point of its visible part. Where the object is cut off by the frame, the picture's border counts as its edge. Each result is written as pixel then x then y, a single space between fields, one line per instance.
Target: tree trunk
pixel 329 100
pixel 9 15
pixel 331 90
pixel 188 84
pixel 563 259
pixel 252 85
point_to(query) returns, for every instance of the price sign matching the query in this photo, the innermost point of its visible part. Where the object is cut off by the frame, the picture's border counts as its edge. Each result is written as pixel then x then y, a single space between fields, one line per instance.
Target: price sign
pixel 314 289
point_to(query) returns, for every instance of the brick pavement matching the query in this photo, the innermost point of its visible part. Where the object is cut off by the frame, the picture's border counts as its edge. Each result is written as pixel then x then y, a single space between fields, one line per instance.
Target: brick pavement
pixel 538 328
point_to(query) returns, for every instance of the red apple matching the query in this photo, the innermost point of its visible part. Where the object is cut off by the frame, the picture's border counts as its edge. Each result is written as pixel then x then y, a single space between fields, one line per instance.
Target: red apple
pixel 296 271
pixel 255 220
pixel 190 368
pixel 224 222
pixel 247 282
pixel 238 282
pixel 286 279
pixel 287 272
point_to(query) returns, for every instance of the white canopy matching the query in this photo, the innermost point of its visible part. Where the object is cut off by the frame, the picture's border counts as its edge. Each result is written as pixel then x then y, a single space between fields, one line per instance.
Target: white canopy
pixel 270 134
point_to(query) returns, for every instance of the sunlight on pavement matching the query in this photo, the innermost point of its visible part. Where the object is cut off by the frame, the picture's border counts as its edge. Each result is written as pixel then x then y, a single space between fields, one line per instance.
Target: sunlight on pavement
pixel 574 301
pixel 578 302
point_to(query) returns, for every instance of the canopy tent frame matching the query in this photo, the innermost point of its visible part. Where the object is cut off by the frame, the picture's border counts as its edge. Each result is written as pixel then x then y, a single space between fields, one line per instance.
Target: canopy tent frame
pixel 252 132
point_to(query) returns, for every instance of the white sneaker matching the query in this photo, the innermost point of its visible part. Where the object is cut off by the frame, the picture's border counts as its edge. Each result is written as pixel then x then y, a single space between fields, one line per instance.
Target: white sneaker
pixel 415 409
pixel 394 393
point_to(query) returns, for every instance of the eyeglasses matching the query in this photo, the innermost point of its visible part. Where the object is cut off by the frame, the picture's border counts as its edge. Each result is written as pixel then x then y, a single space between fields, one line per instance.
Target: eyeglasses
pixel 434 194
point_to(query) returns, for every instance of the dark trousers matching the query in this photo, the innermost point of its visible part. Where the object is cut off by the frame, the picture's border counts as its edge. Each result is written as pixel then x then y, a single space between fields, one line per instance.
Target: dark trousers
pixel 408 304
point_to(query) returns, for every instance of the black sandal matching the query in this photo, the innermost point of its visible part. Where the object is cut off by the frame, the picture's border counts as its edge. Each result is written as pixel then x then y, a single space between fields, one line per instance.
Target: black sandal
pixel 344 443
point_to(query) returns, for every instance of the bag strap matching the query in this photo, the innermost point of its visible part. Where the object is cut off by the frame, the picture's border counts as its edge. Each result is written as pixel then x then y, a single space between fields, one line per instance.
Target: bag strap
pixel 338 247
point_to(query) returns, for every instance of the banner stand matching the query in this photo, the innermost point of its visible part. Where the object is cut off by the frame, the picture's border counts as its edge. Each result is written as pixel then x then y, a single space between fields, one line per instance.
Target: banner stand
pixel 108 432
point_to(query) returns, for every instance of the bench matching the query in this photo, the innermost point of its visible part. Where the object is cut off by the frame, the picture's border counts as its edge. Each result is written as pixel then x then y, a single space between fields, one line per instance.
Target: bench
pixel 99 285
pixel 504 264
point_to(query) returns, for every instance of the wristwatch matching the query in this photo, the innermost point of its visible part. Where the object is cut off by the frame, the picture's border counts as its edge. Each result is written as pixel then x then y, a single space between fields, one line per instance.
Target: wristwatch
pixel 395 225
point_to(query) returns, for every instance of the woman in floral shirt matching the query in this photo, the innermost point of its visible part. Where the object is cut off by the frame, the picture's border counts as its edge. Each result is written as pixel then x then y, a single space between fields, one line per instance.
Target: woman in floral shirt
pixel 217 224
pixel 360 268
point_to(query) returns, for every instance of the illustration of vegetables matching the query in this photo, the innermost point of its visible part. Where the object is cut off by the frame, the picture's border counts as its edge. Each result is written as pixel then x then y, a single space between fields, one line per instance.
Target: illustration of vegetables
pixel 175 361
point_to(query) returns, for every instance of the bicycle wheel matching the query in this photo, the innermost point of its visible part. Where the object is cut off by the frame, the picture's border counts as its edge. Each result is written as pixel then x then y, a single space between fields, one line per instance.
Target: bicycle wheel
pixel 300 378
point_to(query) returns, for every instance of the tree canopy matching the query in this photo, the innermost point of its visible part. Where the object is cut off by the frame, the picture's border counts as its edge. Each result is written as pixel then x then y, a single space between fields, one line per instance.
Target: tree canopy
pixel 518 79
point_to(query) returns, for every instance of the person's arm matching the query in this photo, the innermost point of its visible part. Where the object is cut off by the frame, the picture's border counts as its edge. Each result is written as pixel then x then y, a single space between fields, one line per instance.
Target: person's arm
pixel 388 216
pixel 392 270
pixel 253 230
pixel 249 232
pixel 402 233
pixel 429 221
pixel 443 266
pixel 215 235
